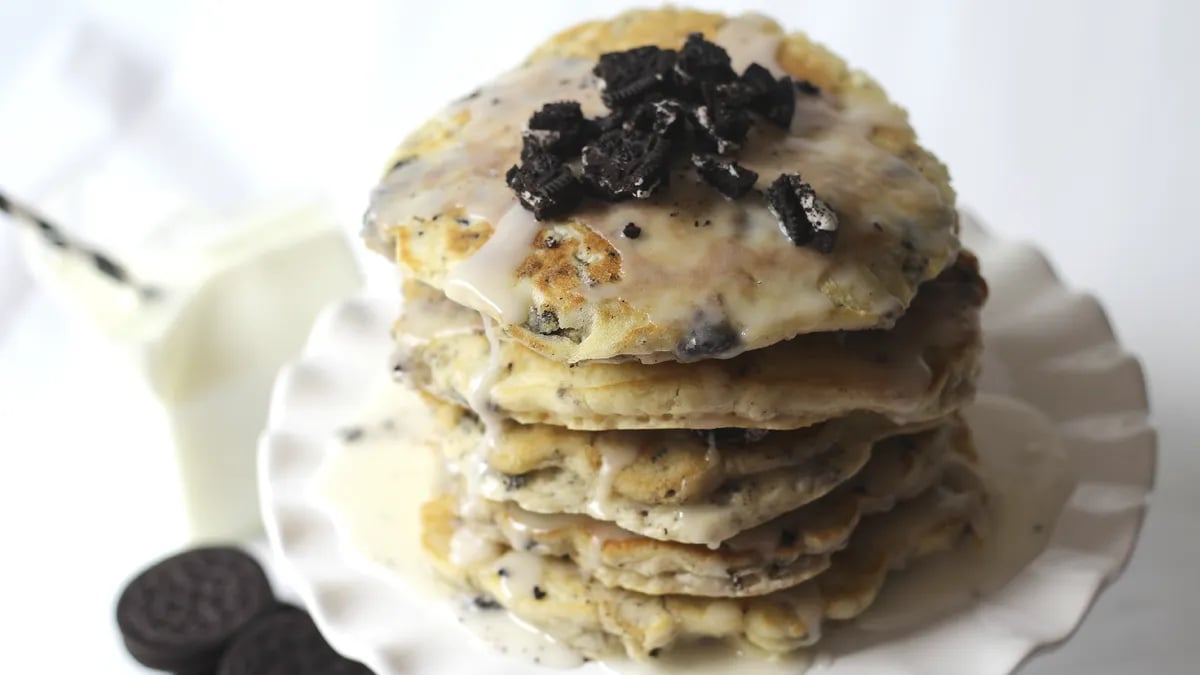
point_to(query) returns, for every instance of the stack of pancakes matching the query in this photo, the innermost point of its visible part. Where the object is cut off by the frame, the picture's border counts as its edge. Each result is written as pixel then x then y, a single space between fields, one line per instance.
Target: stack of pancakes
pixel 702 430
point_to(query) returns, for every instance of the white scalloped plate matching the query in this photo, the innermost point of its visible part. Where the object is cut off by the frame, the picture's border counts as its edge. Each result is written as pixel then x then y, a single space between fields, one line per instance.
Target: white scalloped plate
pixel 1047 345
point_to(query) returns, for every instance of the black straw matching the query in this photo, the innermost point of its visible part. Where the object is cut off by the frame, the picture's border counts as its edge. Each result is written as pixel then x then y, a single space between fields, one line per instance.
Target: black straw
pixel 54 235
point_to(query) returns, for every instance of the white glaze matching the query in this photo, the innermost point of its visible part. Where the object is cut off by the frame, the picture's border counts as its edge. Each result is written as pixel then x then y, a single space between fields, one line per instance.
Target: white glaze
pixel 475 465
pixel 613 459
pixel 1029 480
pixel 469 547
pixel 485 281
pixel 506 634
pixel 376 484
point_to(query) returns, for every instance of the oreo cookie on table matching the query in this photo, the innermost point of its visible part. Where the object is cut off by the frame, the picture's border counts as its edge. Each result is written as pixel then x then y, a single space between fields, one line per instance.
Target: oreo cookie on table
pixel 285 642
pixel 181 613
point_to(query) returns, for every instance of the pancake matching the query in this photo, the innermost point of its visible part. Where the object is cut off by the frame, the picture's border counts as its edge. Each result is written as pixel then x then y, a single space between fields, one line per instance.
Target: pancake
pixel 772 556
pixel 710 276
pixel 921 369
pixel 554 595
pixel 579 475
pixel 761 560
pixel 668 467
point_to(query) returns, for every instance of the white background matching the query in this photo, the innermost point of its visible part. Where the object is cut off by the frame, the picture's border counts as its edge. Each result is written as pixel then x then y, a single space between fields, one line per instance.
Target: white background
pixel 1070 124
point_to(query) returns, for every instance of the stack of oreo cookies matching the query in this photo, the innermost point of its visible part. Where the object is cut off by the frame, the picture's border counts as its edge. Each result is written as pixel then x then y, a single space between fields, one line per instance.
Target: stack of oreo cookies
pixel 210 611
pixel 686 304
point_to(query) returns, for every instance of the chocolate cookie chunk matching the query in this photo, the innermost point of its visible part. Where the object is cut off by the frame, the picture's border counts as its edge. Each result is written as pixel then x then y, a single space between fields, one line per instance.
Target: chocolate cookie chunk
pixel 804 218
pixel 544 185
pixel 561 128
pixel 774 99
pixel 666 118
pixel 633 75
pixel 626 164
pixel 285 642
pixel 727 176
pixel 723 116
pixel 707 338
pixel 702 61
pixel 180 614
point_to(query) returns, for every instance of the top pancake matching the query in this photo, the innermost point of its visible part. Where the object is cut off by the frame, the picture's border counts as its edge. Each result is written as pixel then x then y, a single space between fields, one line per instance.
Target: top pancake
pixel 575 289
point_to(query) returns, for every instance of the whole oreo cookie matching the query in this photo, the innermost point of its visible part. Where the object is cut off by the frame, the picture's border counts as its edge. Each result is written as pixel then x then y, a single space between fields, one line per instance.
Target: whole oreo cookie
pixel 285 642
pixel 180 614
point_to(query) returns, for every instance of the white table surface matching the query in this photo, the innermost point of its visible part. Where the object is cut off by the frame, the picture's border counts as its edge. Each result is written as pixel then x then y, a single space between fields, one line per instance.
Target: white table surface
pixel 1070 124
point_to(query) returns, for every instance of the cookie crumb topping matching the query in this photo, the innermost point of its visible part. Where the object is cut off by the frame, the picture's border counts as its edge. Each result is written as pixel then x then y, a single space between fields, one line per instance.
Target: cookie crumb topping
pixel 562 128
pixel 545 185
pixel 724 174
pixel 626 163
pixel 634 75
pixel 667 109
pixel 805 219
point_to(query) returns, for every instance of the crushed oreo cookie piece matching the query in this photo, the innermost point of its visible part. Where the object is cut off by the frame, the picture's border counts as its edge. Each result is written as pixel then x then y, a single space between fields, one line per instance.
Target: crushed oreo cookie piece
pixel 805 219
pixel 664 106
pixel 722 117
pixel 561 128
pixel 535 144
pixel 779 106
pixel 666 118
pixel 707 339
pixel 545 185
pixel 631 231
pixel 774 100
pixel 727 176
pixel 631 76
pixel 757 80
pixel 701 61
pixel 624 164
pixel 611 122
